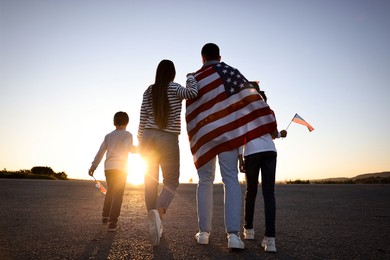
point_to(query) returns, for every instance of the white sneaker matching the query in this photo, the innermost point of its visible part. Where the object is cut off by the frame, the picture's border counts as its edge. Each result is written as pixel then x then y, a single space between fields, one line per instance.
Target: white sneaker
pixel 235 241
pixel 269 244
pixel 202 237
pixel 155 230
pixel 249 234
pixel 161 230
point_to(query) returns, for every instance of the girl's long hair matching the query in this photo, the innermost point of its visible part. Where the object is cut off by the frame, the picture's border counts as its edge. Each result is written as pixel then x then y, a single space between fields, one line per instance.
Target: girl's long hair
pixel 165 74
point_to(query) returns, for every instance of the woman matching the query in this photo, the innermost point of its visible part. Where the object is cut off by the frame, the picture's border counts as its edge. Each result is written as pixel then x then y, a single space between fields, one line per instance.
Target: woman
pixel 158 136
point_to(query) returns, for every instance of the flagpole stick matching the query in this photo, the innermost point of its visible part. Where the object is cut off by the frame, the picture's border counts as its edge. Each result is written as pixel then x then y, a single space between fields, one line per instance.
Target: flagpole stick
pixel 289 125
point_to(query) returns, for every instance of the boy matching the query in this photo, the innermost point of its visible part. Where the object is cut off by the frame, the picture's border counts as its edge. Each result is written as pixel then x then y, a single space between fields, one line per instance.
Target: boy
pixel 117 144
pixel 260 154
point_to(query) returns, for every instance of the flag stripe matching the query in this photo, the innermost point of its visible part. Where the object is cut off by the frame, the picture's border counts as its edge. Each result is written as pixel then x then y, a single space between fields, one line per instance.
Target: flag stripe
pixel 239 127
pixel 202 158
pixel 223 111
pixel 221 104
pixel 212 93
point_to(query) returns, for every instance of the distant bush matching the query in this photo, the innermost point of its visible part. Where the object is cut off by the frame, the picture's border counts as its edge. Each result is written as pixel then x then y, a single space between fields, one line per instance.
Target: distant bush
pixel 369 180
pixel 298 182
pixel 37 172
pixel 373 180
pixel 348 181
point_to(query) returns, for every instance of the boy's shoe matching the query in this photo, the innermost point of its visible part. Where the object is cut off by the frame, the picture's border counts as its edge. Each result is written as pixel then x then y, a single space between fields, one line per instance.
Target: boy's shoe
pixel 112 226
pixel 249 234
pixel 202 237
pixel 155 229
pixel 105 221
pixel 235 242
pixel 269 244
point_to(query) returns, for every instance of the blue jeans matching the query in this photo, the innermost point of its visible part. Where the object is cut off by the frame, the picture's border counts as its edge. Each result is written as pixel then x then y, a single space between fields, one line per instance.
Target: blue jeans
pixel 266 162
pixel 160 149
pixel 232 192
pixel 116 183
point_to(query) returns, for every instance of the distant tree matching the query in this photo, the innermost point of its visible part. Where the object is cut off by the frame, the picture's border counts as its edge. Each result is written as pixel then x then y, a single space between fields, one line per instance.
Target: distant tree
pixel 61 176
pixel 43 170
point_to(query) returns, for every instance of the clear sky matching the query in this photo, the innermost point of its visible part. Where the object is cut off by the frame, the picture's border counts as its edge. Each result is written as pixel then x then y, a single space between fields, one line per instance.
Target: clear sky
pixel 67 66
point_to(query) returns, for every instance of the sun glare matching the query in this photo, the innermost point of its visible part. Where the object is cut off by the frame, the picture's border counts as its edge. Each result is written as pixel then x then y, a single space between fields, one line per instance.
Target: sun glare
pixel 136 169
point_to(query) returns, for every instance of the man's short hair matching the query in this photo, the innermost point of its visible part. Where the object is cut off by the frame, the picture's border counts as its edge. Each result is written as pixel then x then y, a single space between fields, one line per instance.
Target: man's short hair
pixel 121 118
pixel 210 51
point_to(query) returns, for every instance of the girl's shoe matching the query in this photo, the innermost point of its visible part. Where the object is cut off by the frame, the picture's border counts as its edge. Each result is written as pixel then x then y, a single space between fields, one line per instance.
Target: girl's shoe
pixel 269 244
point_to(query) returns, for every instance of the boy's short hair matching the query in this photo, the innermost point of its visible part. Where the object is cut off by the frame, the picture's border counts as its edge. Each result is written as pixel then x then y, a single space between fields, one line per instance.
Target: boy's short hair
pixel 121 118
pixel 210 51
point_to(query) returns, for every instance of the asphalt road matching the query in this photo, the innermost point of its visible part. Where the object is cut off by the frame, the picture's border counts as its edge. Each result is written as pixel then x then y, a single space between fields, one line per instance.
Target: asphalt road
pixel 42 219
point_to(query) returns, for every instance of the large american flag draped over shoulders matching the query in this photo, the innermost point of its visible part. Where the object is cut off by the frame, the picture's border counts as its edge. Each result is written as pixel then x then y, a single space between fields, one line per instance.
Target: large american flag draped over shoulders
pixel 227 113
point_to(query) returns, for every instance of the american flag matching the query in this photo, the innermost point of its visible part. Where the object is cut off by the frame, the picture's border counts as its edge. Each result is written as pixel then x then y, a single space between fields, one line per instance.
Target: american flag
pixel 300 120
pixel 227 113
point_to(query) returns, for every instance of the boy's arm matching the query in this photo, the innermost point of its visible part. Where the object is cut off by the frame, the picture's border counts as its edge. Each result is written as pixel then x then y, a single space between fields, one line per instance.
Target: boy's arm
pixel 98 157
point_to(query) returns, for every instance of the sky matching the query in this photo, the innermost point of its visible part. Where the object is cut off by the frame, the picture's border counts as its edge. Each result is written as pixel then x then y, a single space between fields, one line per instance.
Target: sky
pixel 66 67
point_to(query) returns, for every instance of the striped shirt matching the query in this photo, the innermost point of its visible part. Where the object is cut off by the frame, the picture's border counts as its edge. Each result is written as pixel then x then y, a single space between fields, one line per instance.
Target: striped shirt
pixel 176 93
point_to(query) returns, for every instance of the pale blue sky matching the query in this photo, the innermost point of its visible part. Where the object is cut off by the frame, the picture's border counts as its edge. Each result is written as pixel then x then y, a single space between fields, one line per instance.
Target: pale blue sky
pixel 67 66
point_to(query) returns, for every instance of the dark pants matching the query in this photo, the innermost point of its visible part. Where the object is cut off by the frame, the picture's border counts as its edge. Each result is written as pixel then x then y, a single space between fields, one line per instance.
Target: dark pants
pixel 116 183
pixel 266 162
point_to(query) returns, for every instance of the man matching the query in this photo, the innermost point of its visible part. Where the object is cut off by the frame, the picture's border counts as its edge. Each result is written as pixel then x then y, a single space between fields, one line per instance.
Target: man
pixel 227 113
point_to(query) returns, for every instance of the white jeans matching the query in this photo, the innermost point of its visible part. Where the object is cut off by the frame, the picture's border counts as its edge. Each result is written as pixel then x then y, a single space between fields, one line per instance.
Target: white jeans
pixel 232 192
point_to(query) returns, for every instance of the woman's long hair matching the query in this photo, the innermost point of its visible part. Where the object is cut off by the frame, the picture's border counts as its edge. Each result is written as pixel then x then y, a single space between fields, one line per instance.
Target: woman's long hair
pixel 165 74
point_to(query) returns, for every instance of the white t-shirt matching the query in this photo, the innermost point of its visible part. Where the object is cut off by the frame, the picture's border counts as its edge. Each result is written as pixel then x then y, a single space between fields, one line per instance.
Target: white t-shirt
pixel 263 143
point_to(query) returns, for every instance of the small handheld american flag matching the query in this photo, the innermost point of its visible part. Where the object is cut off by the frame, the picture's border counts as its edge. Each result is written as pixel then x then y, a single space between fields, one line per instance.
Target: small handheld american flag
pixel 100 186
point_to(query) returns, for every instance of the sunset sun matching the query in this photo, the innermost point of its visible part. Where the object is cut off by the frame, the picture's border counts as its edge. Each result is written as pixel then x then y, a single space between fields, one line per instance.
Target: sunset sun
pixel 136 169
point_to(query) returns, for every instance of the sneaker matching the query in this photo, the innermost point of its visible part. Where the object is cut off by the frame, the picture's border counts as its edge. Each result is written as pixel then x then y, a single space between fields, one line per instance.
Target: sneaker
pixel 269 244
pixel 249 234
pixel 155 230
pixel 105 221
pixel 112 226
pixel 235 242
pixel 161 230
pixel 202 237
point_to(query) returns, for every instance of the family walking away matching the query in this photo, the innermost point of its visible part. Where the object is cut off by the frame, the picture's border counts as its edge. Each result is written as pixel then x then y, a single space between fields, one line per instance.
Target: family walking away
pixel 260 154
pixel 225 115
pixel 116 146
pixel 227 119
pixel 158 140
